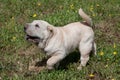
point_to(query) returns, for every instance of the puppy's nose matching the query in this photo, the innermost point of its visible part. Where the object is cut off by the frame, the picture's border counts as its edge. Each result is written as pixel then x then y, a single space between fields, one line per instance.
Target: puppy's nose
pixel 26 26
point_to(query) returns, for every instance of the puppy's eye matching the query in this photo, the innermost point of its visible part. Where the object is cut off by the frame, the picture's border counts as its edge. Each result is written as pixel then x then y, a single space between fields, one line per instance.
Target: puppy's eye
pixel 37 25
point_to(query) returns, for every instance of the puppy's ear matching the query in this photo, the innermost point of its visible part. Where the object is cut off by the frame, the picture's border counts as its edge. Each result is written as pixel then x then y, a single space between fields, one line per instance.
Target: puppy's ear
pixel 50 28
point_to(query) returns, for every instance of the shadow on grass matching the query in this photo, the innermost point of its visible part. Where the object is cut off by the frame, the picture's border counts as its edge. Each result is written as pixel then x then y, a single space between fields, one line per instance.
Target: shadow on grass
pixel 71 58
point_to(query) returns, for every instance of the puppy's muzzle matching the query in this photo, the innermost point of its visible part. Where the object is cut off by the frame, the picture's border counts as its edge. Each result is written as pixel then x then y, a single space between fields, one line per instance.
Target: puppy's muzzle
pixel 26 26
pixel 33 39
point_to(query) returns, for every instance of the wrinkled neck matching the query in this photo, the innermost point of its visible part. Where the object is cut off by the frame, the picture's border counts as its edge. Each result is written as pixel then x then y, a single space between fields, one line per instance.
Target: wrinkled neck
pixel 51 34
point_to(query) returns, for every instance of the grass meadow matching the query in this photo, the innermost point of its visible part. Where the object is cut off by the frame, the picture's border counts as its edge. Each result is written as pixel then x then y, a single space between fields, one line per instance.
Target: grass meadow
pixel 16 54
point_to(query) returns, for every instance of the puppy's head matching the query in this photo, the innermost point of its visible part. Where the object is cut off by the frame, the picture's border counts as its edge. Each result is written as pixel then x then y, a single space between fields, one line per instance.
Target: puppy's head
pixel 37 31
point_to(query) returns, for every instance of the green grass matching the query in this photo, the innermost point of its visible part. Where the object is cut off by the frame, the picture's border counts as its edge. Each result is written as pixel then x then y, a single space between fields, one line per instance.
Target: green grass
pixel 16 54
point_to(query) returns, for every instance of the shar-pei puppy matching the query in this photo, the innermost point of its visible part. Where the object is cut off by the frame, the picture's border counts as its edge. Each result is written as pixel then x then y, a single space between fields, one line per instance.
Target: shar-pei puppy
pixel 58 42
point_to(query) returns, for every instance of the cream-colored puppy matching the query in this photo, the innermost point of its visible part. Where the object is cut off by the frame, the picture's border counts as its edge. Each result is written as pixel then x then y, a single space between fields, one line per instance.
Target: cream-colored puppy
pixel 58 42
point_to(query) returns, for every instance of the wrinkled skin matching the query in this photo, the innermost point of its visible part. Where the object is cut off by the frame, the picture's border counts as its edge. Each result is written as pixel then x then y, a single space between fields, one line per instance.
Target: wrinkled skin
pixel 58 42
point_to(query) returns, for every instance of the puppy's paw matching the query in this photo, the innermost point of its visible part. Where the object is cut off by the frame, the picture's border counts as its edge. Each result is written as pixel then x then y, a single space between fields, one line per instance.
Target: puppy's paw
pixel 50 68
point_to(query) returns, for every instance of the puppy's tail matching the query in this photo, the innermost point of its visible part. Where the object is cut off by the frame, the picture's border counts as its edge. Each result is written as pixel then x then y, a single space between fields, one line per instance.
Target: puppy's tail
pixel 87 19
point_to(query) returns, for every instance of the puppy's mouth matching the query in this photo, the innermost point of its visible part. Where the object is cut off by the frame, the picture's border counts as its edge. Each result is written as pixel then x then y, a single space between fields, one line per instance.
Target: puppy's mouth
pixel 34 39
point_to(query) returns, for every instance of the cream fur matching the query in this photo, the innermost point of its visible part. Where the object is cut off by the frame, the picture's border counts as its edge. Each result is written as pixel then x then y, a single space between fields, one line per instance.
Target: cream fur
pixel 58 42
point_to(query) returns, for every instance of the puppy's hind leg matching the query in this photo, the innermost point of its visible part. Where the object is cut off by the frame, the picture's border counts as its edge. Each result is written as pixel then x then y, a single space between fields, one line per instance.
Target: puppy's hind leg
pixel 94 48
pixel 85 49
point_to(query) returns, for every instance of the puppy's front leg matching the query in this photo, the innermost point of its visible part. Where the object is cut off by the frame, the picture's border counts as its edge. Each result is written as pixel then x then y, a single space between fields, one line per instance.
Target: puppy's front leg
pixel 55 59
